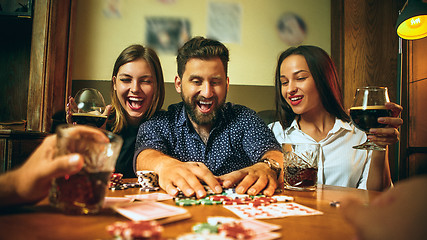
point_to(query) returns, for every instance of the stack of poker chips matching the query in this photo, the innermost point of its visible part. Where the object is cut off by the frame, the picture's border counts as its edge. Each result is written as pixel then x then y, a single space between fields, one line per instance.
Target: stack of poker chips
pixel 148 180
pixel 116 181
pixel 135 230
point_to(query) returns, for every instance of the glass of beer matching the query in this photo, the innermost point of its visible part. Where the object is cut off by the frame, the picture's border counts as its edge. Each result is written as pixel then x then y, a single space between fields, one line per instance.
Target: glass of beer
pixel 89 106
pixel 369 105
pixel 84 192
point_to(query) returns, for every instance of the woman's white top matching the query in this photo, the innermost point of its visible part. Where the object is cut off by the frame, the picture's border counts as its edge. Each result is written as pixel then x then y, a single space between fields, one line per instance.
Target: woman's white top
pixel 339 163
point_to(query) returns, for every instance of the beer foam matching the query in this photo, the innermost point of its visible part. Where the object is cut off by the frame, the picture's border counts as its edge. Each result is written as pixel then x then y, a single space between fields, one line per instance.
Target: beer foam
pixel 369 108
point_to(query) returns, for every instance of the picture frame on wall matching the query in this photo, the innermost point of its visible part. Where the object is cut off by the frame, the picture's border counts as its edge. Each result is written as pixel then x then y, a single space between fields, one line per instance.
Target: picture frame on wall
pixel 18 8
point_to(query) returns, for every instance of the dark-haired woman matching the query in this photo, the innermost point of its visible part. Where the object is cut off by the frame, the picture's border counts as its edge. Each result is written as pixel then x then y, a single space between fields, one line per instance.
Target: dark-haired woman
pixel 310 110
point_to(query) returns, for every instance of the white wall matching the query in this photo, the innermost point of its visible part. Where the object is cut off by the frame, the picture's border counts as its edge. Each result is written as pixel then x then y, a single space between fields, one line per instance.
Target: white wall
pixel 98 40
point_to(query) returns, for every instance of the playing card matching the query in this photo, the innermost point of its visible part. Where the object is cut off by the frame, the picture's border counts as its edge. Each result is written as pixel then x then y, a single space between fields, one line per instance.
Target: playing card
pixel 258 226
pixel 149 210
pixel 151 196
pixel 275 210
pixel 112 201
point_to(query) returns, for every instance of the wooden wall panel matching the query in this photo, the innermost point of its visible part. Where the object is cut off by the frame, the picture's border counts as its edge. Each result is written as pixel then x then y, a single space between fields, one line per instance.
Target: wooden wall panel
pixel 37 65
pixel 49 63
pixel 370 46
pixel 364 47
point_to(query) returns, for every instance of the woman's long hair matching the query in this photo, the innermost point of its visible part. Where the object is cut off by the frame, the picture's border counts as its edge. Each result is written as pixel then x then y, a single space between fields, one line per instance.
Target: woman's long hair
pixel 325 77
pixel 130 54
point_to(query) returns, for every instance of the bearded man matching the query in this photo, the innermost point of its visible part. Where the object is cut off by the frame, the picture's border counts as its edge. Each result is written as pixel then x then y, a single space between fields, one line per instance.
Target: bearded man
pixel 203 139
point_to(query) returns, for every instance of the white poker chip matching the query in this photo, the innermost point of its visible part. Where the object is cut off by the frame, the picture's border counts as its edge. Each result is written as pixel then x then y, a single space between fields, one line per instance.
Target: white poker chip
pixel 148 179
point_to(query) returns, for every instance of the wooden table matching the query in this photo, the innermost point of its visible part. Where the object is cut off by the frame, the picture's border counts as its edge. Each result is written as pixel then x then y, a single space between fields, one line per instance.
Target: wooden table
pixel 44 222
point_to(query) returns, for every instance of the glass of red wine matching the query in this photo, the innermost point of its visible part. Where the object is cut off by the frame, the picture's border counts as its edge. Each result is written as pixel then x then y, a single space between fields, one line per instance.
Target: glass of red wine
pixel 369 105
pixel 90 106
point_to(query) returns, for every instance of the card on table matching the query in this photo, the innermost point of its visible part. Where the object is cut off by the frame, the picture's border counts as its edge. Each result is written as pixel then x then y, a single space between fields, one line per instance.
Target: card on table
pixel 275 210
pixel 151 196
pixel 112 201
pixel 144 211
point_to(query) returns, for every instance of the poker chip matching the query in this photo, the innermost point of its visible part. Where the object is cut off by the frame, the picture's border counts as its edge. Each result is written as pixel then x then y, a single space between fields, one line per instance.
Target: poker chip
pixel 220 198
pixel 135 230
pixel 207 201
pixel 235 230
pixel 131 185
pixel 205 228
pixel 115 180
pixel 148 179
pixel 187 202
pixel 149 189
pixel 183 197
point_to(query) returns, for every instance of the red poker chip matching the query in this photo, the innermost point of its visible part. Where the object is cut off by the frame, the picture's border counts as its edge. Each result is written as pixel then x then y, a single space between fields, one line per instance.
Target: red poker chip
pixel 235 230
pixel 136 230
pixel 220 198
pixel 116 180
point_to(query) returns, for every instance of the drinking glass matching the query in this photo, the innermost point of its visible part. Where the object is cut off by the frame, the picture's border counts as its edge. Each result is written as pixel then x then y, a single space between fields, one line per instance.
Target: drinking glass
pixel 300 165
pixel 368 106
pixel 89 107
pixel 84 192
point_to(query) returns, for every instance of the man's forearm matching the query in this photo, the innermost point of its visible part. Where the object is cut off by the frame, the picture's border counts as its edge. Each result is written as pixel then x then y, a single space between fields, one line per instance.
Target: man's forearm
pixel 153 160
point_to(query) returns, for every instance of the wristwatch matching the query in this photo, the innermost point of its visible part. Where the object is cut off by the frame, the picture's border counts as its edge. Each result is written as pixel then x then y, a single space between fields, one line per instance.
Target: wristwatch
pixel 273 165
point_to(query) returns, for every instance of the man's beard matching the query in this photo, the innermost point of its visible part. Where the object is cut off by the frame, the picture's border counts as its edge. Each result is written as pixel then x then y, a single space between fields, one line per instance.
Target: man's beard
pixel 198 117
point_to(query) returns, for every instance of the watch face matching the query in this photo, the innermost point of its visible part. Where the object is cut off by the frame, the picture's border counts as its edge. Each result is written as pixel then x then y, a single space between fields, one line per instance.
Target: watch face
pixel 275 164
pixel 272 164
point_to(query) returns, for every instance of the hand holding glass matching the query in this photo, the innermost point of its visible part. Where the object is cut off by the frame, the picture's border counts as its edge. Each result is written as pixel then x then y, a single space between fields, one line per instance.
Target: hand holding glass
pixel 83 192
pixel 369 105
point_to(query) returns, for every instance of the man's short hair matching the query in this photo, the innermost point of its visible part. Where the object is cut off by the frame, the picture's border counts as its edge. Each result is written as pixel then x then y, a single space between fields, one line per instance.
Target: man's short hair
pixel 201 48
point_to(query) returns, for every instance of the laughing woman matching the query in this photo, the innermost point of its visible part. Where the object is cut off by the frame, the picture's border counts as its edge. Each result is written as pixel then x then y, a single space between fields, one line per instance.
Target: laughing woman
pixel 137 92
pixel 310 110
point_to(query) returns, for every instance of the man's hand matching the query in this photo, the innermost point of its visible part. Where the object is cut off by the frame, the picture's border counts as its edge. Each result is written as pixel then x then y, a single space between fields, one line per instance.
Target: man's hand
pixel 174 174
pixel 70 109
pixel 188 176
pixel 390 134
pixel 31 182
pixel 252 180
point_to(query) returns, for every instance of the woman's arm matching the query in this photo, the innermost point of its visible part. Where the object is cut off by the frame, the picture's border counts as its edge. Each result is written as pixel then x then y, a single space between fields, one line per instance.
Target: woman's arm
pixel 379 177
